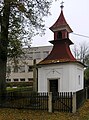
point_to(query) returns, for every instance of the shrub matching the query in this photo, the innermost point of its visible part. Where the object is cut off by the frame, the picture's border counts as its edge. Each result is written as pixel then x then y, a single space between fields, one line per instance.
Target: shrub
pixel 19 84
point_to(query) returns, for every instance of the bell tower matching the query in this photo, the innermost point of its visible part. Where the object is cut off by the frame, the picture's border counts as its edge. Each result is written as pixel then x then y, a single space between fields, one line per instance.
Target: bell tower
pixel 60 71
pixel 61 50
pixel 60 28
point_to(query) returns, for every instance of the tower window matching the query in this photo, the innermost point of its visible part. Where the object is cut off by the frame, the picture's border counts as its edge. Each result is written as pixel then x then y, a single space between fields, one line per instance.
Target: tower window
pixel 59 35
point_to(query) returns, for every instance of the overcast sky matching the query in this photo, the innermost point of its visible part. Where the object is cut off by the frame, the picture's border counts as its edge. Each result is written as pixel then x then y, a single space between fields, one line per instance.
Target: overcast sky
pixel 76 13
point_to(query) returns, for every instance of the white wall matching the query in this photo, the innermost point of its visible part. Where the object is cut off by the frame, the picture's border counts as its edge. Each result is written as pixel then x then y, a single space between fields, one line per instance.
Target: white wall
pixel 67 75
pixel 76 77
pixel 46 73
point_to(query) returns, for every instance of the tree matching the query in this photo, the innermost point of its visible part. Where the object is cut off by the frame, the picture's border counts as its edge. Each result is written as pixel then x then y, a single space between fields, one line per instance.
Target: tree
pixel 3 46
pixel 87 59
pixel 81 52
pixel 19 19
pixel 86 76
pixel 86 72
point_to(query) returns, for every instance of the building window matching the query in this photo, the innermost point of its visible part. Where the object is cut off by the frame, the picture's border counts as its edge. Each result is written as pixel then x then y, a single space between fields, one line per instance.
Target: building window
pixel 22 79
pixel 59 35
pixel 30 79
pixel 16 80
pixel 8 80
pixel 22 69
pixel 29 56
pixel 45 53
pixel 37 55
pixel 8 69
pixel 79 80
pixel 30 68
pixel 15 69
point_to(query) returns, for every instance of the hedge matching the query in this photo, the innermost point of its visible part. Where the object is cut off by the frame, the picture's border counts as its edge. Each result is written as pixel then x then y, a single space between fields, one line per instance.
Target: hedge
pixel 19 84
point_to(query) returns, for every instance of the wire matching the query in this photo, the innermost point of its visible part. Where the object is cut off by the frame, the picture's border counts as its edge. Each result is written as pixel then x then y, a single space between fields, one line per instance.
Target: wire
pixel 81 35
pixel 75 34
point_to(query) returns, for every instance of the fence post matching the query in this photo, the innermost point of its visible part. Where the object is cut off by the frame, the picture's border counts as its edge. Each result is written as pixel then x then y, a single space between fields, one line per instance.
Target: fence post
pixel 74 102
pixel 86 93
pixel 50 102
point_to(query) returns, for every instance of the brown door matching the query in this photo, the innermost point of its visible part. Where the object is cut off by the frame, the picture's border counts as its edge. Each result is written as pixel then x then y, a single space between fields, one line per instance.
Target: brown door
pixel 53 85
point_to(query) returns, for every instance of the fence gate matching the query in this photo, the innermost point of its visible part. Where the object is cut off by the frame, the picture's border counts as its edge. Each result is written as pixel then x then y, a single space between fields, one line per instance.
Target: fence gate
pixel 62 101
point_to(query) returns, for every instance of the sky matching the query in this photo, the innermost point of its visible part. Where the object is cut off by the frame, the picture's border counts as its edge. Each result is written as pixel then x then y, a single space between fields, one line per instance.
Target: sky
pixel 76 15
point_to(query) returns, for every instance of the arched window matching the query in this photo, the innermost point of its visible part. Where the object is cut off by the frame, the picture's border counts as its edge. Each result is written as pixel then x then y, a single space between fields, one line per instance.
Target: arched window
pixel 59 35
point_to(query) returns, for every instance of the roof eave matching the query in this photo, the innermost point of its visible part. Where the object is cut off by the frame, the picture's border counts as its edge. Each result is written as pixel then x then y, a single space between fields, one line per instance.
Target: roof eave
pixel 60 62
pixel 62 27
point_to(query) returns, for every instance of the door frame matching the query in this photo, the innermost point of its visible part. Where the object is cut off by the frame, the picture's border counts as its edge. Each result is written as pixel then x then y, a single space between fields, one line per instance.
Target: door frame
pixel 48 83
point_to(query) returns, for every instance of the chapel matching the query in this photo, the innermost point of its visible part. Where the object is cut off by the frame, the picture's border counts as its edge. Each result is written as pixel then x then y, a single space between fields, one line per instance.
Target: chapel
pixel 60 71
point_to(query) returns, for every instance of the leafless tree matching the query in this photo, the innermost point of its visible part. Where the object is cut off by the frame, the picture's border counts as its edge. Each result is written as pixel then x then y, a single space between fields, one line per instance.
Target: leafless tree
pixel 81 52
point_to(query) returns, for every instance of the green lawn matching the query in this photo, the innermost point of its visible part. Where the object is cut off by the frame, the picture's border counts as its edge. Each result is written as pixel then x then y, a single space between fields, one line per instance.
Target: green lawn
pixel 23 114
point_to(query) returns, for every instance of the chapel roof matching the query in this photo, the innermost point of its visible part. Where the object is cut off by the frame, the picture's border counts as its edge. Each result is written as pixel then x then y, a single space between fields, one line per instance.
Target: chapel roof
pixel 61 24
pixel 61 52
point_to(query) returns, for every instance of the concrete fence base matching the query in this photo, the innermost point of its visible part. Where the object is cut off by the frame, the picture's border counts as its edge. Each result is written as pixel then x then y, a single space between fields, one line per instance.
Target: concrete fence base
pixel 50 102
pixel 74 103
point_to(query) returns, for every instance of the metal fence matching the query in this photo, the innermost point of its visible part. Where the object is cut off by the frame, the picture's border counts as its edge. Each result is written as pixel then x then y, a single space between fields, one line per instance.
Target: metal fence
pixel 62 102
pixel 26 100
pixel 80 97
pixel 87 88
pixel 38 101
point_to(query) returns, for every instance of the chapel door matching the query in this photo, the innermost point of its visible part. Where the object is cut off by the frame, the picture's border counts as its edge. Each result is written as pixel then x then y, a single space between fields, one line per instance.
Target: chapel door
pixel 53 85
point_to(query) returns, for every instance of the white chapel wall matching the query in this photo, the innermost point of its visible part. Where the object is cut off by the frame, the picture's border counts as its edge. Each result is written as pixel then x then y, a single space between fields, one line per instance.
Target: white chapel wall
pixel 67 75
pixel 76 82
pixel 53 72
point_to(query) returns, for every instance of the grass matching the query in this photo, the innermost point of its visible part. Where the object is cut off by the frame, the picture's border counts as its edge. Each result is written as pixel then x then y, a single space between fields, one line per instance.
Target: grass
pixel 26 114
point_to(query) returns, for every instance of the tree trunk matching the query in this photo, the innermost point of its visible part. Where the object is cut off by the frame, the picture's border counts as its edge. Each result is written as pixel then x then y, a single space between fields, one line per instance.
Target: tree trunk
pixel 2 80
pixel 3 48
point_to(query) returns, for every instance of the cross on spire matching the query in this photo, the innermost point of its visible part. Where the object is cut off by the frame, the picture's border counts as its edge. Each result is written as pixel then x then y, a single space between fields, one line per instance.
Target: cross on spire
pixel 62 5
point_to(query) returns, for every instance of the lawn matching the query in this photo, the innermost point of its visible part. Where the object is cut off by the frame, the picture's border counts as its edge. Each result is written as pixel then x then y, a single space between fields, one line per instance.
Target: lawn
pixel 23 114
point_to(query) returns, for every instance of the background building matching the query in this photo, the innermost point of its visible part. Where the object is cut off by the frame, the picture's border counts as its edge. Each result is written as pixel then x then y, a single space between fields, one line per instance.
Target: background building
pixel 24 71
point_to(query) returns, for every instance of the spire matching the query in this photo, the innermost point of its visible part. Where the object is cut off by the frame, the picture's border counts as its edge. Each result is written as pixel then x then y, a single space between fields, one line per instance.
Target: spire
pixel 62 5
pixel 61 23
